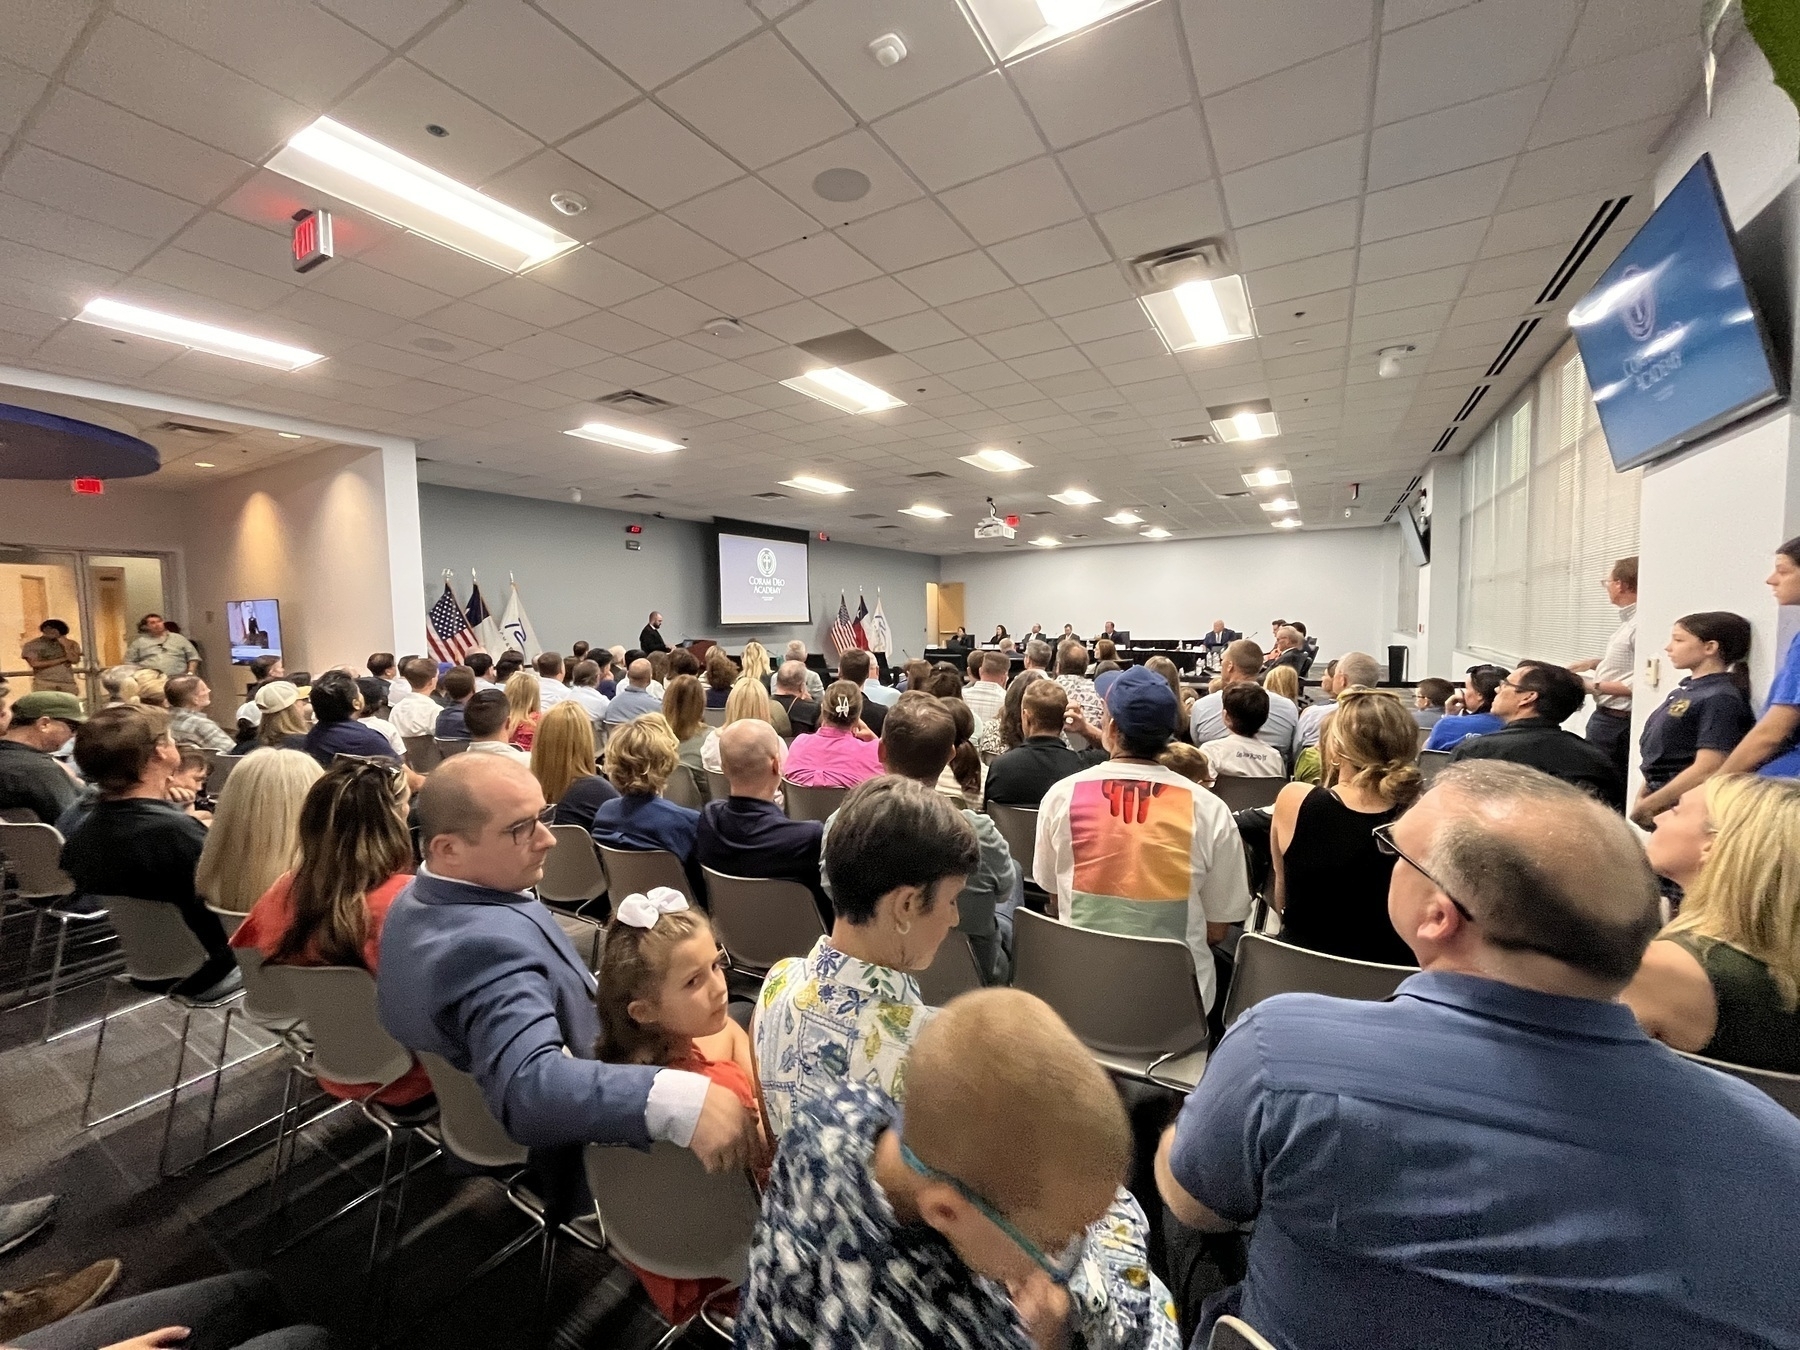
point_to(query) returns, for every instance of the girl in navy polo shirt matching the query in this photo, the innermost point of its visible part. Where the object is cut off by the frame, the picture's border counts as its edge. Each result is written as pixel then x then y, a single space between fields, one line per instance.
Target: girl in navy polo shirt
pixel 1704 718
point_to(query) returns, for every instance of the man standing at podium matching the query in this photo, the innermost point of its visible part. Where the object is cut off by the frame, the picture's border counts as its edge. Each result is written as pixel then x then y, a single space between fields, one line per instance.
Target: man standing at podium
pixel 651 639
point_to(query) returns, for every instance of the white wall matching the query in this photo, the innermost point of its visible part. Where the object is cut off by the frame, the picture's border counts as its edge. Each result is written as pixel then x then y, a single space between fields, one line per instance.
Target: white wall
pixel 578 580
pixel 1340 583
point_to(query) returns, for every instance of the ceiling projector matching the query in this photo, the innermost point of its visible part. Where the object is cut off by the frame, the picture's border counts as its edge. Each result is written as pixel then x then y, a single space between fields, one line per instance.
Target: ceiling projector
pixel 991 526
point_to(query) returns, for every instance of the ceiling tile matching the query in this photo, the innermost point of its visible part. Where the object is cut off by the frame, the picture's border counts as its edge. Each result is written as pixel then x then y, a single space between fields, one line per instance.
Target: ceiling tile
pixel 1309 276
pixel 93 194
pixel 1532 268
pixel 872 301
pixel 1079 290
pixel 746 217
pixel 948 280
pixel 738 288
pixel 1177 217
pixel 1232 42
pixel 425 263
pixel 1025 340
pixel 669 312
pixel 652 156
pixel 508 56
pixel 1012 202
pixel 1303 106
pixel 799 322
pixel 389 21
pixel 652 43
pixel 401 100
pixel 1302 235
pixel 612 332
pixel 1423 251
pixel 1621 160
pixel 70 236
pixel 1090 325
pixel 532 302
pixel 1151 158
pixel 1110 76
pixel 889 184
pixel 993 311
pixel 39 33
pixel 20 89
pixel 1616 93
pixel 961 133
pixel 816 265
pixel 1294 183
pixel 593 277
pixel 1614 28
pixel 110 138
pixel 350 279
pixel 1454 138
pixel 914 331
pixel 1421 288
pixel 662 247
pixel 527 187
pixel 918 232
pixel 144 72
pixel 833 37
pixel 1470 52
pixel 758 103
pixel 296 50
pixel 1303 312
pixel 1050 253
pixel 1444 200
pixel 204 276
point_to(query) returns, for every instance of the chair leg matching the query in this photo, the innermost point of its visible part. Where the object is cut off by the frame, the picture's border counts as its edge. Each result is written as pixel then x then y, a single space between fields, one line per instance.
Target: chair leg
pixel 62 942
pixel 162 1158
pixel 212 1105
pixel 673 1334
pixel 387 1163
pixel 99 1045
pixel 277 1173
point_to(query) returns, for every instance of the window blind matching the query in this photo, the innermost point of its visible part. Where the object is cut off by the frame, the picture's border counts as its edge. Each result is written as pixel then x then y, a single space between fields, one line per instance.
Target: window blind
pixel 1544 518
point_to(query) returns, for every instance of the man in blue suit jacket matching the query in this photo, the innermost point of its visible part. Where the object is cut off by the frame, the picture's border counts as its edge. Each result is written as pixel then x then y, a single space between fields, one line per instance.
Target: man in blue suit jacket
pixel 747 835
pixel 475 969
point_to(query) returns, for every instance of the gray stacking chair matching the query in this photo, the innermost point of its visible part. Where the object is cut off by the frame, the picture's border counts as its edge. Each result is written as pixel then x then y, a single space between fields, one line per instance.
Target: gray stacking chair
pixel 811 803
pixel 1264 966
pixel 636 871
pixel 573 875
pixel 760 921
pixel 1783 1087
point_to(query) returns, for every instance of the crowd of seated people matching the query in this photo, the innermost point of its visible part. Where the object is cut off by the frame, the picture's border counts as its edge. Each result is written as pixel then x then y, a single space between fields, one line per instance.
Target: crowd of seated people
pixel 1527 905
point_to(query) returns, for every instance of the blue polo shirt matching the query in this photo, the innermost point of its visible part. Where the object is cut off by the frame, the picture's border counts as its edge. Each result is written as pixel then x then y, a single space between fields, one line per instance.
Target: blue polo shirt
pixel 1708 712
pixel 1784 692
pixel 1450 732
pixel 1474 1164
pixel 327 740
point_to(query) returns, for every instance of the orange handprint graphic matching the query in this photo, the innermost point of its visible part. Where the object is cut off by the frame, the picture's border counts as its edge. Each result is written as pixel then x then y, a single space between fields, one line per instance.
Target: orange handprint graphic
pixel 1130 798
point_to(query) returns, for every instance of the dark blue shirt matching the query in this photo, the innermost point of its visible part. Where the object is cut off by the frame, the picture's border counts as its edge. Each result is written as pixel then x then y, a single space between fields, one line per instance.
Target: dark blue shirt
pixel 1475 1164
pixel 328 740
pixel 585 796
pixel 1451 731
pixel 639 822
pixel 1708 712
pixel 450 725
pixel 749 837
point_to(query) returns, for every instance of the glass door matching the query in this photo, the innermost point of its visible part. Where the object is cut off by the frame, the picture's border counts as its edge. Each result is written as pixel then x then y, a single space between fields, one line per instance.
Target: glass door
pixel 99 597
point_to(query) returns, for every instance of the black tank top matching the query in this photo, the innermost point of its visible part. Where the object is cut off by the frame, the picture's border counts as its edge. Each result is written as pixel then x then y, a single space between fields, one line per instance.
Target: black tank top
pixel 1337 883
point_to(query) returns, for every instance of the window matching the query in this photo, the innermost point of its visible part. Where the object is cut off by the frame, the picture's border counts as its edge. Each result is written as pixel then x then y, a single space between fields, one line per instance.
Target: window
pixel 1545 516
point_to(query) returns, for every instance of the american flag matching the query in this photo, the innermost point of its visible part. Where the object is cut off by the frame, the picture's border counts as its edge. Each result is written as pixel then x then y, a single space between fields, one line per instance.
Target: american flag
pixel 843 634
pixel 862 612
pixel 448 634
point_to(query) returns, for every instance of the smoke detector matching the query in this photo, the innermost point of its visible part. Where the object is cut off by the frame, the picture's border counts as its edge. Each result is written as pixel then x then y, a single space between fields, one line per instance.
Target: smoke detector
pixel 888 50
pixel 1387 360
pixel 569 203
pixel 724 328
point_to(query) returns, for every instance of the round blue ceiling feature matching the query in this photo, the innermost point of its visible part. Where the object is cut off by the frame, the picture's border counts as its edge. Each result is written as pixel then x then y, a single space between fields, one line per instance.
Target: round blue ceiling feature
pixel 37 444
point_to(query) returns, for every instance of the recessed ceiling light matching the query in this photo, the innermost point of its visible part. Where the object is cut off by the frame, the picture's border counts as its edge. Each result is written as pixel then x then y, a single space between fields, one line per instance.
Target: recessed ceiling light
pixel 1015 27
pixel 841 185
pixel 1262 478
pixel 1155 532
pixel 290 435
pixel 996 461
pixel 1046 541
pixel 201 337
pixel 1288 523
pixel 1252 421
pixel 1125 517
pixel 1281 504
pixel 352 167
pixel 1201 313
pixel 823 486
pixel 1074 497
pixel 843 391
pixel 607 434
pixel 924 512
pixel 204 464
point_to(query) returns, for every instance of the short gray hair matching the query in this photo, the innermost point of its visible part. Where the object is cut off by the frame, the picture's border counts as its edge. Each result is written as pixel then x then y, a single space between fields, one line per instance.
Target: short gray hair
pixel 1037 651
pixel 1359 668
pixel 792 675
pixel 796 651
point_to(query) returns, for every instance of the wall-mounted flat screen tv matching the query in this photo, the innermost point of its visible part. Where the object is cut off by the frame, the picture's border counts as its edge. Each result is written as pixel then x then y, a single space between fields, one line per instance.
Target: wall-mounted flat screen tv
pixel 255 628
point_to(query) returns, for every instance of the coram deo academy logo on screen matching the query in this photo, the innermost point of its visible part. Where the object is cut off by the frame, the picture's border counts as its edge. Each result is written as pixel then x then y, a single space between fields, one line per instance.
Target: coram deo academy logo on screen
pixel 766 585
pixel 765 562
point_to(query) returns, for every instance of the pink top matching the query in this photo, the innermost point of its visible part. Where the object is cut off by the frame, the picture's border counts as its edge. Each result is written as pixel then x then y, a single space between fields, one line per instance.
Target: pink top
pixel 831 757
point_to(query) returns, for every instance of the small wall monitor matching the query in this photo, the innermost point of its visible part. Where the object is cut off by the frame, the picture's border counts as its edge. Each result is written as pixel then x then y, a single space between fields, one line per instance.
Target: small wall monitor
pixel 255 629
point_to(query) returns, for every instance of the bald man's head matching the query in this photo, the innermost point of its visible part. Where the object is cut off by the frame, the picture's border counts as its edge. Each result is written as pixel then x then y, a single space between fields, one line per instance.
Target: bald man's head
pixel 750 757
pixel 638 672
pixel 791 678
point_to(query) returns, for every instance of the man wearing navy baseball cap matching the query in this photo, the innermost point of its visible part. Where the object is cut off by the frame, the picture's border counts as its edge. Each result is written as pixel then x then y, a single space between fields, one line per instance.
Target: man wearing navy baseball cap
pixel 1131 847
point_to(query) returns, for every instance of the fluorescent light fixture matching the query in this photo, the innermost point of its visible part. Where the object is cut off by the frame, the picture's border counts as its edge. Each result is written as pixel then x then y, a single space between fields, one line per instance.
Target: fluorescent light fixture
pixel 351 167
pixel 1252 421
pixel 823 486
pixel 1288 523
pixel 1125 517
pixel 201 337
pixel 996 461
pixel 1281 504
pixel 1045 541
pixel 623 438
pixel 1155 532
pixel 204 464
pixel 1074 497
pixel 844 391
pixel 1015 27
pixel 1201 313
pixel 1263 478
pixel 924 512
pixel 290 435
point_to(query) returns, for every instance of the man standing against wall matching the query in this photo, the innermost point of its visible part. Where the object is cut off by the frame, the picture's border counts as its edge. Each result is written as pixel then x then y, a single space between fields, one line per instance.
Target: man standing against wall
pixel 155 646
pixel 1609 726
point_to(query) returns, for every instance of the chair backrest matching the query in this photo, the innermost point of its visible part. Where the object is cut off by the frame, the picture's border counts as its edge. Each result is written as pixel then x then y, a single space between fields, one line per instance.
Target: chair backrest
pixel 584 933
pixel 469 1129
pixel 762 921
pixel 1431 764
pixel 718 785
pixel 572 871
pixel 952 971
pixel 682 789
pixel 811 803
pixel 338 1003
pixel 664 1213
pixel 1240 793
pixel 1266 965
pixel 18 815
pixel 446 749
pixel 713 717
pixel 1232 1333
pixel 637 871
pixel 1120 995
pixel 1018 826
pixel 229 919
pixel 266 1002
pixel 34 850
pixel 422 753
pixel 158 943
pixel 1783 1087
pixel 220 770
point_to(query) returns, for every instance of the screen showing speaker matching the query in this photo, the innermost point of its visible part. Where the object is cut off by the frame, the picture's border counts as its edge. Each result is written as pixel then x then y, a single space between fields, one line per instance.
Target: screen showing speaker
pixel 255 628
pixel 763 580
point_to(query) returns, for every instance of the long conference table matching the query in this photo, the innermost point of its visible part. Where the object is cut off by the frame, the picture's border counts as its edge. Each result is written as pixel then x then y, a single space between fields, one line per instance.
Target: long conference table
pixel 1189 657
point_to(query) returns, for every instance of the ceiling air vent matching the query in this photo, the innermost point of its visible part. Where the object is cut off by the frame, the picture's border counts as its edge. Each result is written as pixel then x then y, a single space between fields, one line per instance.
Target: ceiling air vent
pixel 1198 438
pixel 1469 403
pixel 887 527
pixel 929 473
pixel 634 400
pixel 1525 329
pixel 868 515
pixel 770 496
pixel 637 497
pixel 1571 264
pixel 1169 267
pixel 1443 442
pixel 190 429
pixel 845 348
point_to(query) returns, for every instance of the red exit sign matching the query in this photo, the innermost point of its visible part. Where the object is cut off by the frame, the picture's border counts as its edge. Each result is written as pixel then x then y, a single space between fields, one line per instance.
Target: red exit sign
pixel 87 487
pixel 311 239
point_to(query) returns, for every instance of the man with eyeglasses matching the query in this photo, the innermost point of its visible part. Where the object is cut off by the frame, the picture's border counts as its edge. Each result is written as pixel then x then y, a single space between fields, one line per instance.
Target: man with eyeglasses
pixel 30 779
pixel 1497 1154
pixel 1532 703
pixel 475 969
